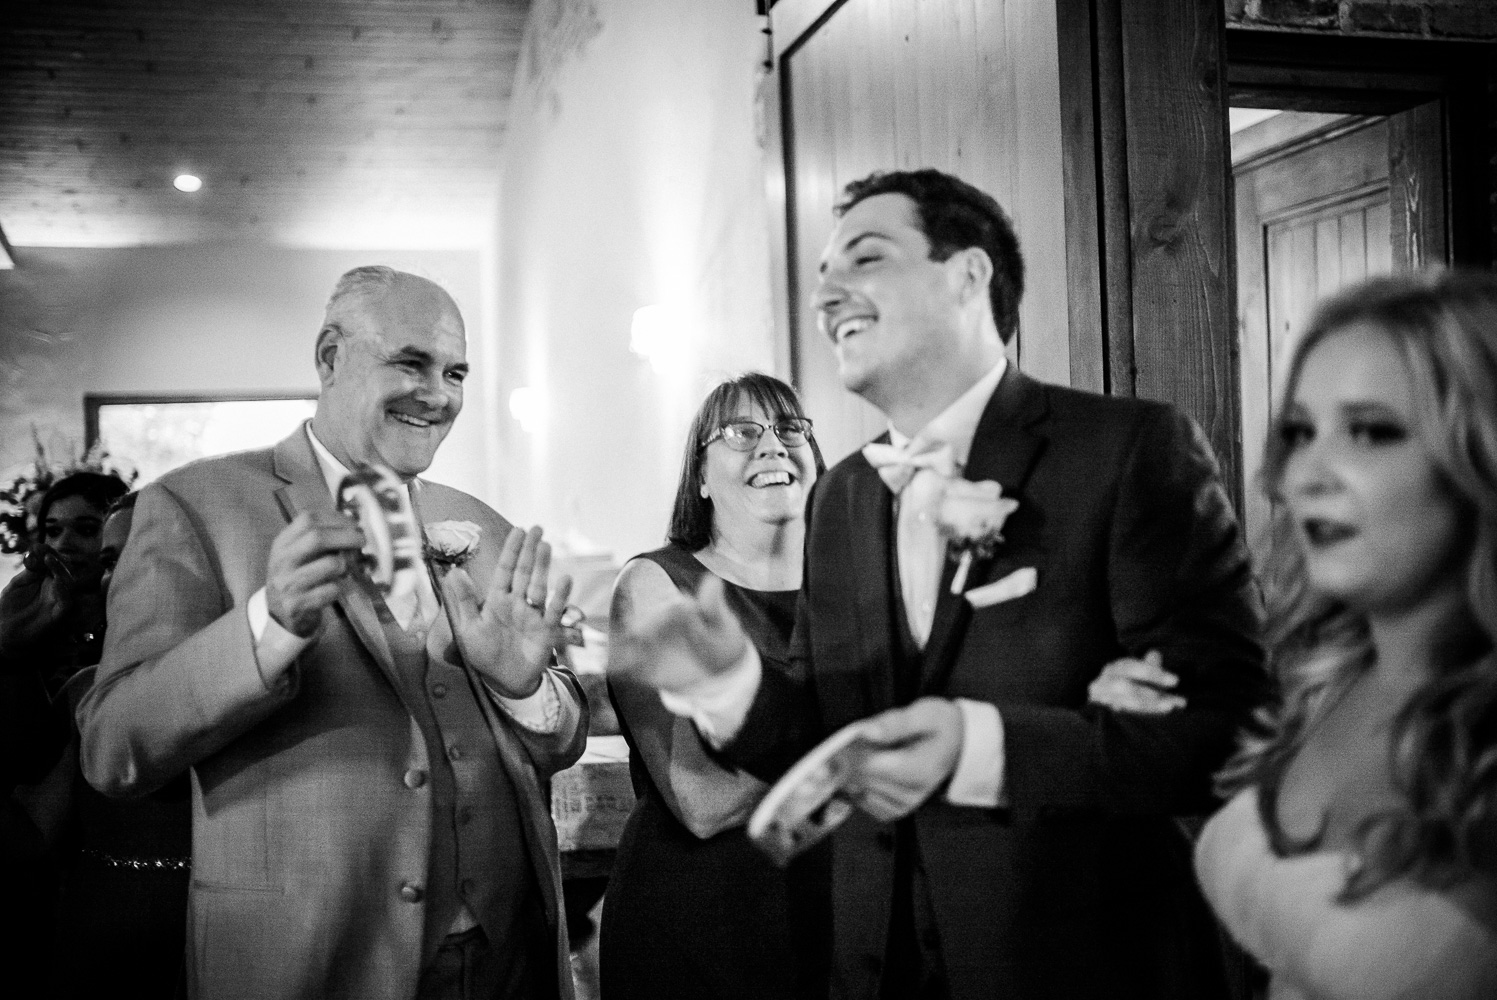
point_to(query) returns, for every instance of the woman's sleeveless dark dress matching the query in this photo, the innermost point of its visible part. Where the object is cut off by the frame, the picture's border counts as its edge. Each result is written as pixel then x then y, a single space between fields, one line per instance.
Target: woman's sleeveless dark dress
pixel 690 918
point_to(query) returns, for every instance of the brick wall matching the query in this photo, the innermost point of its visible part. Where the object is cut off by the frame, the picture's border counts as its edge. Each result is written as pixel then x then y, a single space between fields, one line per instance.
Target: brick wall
pixel 1452 19
pixel 1425 18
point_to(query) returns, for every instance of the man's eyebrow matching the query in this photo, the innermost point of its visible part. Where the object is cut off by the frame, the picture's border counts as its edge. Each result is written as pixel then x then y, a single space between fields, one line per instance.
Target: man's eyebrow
pixel 412 353
pixel 850 245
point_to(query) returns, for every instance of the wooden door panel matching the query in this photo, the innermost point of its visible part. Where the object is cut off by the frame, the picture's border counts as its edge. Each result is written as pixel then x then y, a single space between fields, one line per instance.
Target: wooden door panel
pixel 966 86
pixel 1311 219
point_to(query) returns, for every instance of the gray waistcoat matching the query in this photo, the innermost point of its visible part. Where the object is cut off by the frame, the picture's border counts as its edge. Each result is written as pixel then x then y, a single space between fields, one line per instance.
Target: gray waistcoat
pixel 478 853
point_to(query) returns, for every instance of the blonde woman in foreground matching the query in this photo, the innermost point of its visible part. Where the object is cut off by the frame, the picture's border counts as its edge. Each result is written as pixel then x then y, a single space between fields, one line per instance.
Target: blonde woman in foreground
pixel 1358 854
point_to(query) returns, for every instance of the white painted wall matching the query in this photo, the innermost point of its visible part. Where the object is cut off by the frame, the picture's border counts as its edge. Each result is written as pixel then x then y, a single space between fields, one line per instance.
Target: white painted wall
pixel 633 175
pixel 193 319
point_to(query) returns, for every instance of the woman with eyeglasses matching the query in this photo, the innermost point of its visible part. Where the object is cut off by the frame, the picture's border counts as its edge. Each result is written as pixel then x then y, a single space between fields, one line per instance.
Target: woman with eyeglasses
pixel 693 908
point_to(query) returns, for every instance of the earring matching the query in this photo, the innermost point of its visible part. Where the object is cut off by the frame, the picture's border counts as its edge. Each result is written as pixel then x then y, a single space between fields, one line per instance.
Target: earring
pixel 703 490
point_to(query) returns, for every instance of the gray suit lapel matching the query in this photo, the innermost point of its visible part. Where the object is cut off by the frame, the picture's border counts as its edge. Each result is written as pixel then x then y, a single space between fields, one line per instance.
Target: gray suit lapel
pixel 306 490
pixel 870 516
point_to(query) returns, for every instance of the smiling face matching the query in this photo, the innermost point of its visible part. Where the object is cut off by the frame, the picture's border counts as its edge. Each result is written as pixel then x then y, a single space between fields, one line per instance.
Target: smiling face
pixel 393 383
pixel 767 483
pixel 72 529
pixel 1379 527
pixel 890 311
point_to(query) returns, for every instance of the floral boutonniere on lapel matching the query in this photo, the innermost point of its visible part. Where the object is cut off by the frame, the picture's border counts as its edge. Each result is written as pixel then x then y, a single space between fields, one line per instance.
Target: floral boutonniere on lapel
pixel 970 517
pixel 451 543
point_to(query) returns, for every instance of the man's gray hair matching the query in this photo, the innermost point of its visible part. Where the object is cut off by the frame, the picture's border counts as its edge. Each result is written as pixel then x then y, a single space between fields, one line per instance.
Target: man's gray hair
pixel 371 281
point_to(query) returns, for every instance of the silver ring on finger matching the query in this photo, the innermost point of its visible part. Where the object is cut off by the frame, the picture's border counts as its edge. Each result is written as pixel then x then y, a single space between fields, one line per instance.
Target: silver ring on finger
pixel 537 605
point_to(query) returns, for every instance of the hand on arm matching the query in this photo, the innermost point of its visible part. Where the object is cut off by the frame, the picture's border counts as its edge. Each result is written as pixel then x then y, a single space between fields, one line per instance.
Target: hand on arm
pixel 508 635
pixel 1134 685
pixel 1178 582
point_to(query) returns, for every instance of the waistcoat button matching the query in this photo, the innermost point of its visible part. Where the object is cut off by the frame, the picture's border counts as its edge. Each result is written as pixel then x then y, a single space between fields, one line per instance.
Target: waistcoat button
pixel 415 778
pixel 439 690
pixel 411 892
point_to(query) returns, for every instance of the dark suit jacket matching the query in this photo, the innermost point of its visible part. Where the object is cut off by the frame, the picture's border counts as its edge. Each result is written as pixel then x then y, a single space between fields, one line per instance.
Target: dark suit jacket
pixel 305 826
pixel 1080 885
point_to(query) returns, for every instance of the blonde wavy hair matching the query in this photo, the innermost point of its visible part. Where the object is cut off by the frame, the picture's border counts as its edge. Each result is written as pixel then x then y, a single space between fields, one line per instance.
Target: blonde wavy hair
pixel 1444 740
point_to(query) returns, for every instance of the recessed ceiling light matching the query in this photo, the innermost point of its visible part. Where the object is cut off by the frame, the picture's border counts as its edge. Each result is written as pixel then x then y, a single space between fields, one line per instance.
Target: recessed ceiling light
pixel 187 182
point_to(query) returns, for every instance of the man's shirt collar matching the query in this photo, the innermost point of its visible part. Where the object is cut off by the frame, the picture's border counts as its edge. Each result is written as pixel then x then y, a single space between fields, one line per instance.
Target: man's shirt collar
pixel 957 424
pixel 334 471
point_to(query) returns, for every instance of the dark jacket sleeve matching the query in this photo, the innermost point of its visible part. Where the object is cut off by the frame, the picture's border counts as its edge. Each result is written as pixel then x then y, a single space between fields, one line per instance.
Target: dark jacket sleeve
pixel 1179 581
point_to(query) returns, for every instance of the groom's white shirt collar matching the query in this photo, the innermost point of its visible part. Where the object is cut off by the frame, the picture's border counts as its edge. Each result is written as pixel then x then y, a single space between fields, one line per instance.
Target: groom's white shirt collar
pixel 957 424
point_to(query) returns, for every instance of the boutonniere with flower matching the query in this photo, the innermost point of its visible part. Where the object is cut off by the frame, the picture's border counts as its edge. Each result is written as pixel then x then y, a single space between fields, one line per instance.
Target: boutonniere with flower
pixel 970 517
pixel 451 543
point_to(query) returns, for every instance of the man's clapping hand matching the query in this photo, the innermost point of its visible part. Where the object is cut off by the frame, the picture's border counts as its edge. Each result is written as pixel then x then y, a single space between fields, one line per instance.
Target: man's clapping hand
pixel 308 563
pixel 508 635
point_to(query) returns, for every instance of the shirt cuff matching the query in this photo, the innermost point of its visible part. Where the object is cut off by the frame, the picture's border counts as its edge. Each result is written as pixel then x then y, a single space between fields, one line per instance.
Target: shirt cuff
pixel 539 711
pixel 719 704
pixel 978 778
pixel 275 648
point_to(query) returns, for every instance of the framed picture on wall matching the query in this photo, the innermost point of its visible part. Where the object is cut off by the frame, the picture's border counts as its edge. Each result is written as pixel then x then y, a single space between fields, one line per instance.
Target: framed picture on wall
pixel 158 433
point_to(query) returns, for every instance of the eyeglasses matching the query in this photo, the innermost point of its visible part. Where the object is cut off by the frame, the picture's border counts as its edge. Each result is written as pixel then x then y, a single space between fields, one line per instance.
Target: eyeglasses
pixel 744 435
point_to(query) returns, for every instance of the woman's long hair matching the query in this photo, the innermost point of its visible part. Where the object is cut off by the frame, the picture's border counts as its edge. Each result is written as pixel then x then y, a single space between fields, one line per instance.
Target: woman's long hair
pixel 1444 741
pixel 691 517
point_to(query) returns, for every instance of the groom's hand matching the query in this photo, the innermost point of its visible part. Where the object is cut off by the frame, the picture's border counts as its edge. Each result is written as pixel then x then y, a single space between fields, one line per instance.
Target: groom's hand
pixel 921 744
pixel 308 562
pixel 680 644
pixel 508 635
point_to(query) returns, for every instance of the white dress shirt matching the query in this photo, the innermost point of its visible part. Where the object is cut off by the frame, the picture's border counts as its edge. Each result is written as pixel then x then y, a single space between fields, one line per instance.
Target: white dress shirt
pixel 719 705
pixel 276 648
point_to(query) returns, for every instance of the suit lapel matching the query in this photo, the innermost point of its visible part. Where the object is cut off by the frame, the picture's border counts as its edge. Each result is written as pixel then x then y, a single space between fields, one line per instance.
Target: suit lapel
pixel 870 515
pixel 1004 449
pixel 306 490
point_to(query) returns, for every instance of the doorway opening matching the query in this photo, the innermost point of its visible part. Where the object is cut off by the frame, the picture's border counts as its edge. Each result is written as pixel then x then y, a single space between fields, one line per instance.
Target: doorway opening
pixel 1348 160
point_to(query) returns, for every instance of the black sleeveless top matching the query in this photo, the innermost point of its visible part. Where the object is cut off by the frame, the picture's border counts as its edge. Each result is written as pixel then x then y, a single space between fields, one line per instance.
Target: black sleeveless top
pixel 691 918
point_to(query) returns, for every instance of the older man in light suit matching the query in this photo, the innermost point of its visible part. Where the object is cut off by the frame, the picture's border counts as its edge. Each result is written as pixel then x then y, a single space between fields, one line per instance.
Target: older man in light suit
pixel 368 771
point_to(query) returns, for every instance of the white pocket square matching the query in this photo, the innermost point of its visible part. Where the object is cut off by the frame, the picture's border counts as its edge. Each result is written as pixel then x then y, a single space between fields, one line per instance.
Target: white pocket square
pixel 1016 584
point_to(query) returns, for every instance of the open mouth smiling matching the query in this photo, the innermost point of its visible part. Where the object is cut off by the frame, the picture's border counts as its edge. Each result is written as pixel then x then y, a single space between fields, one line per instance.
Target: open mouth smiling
pixel 410 421
pixel 851 326
pixel 764 480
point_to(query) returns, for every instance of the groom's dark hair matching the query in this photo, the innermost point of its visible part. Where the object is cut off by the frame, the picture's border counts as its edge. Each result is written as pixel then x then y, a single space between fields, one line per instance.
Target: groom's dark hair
pixel 954 215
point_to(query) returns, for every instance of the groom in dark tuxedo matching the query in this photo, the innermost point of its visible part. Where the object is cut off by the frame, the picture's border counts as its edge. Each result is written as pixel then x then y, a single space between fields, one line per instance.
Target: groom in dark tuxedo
pixel 1014 841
